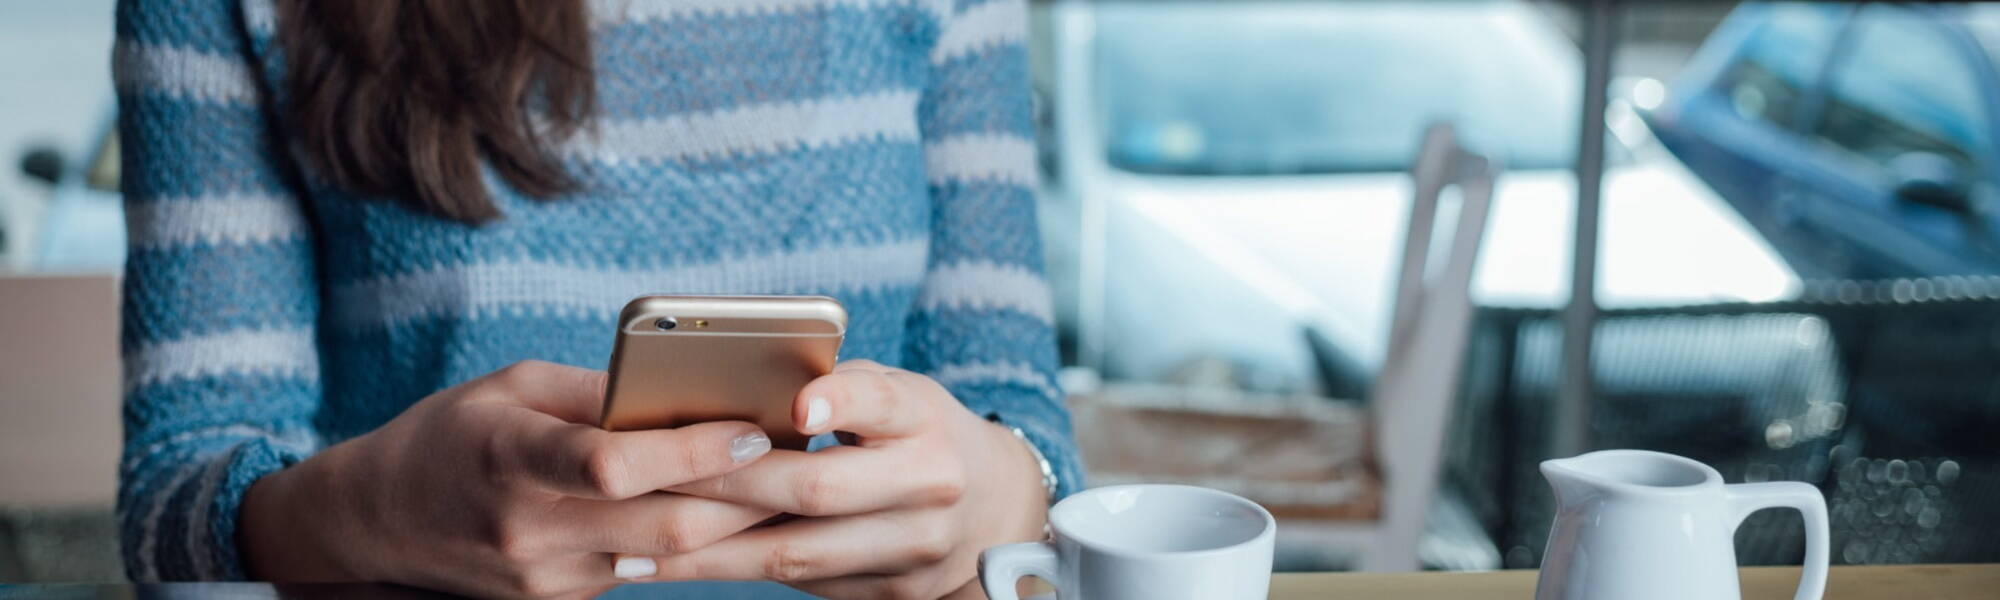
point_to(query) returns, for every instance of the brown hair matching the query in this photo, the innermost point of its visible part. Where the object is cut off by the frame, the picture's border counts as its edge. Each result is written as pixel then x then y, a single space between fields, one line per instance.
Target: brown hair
pixel 405 98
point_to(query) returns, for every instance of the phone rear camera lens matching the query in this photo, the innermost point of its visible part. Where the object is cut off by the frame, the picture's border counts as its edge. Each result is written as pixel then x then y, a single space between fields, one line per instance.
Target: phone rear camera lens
pixel 666 323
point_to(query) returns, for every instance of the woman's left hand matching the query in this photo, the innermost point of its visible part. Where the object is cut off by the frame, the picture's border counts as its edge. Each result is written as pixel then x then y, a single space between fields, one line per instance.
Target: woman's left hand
pixel 901 513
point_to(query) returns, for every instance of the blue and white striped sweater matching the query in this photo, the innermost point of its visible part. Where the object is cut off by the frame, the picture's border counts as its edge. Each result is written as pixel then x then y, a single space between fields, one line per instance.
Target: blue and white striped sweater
pixel 877 151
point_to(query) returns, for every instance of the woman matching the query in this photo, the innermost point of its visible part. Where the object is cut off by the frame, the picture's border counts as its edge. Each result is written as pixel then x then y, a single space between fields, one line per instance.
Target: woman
pixel 358 228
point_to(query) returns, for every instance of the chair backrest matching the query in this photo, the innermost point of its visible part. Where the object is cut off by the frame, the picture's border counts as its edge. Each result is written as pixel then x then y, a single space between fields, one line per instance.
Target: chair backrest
pixel 1428 333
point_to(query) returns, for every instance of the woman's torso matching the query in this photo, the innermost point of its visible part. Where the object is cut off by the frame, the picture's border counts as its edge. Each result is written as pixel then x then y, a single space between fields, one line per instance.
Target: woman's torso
pixel 739 149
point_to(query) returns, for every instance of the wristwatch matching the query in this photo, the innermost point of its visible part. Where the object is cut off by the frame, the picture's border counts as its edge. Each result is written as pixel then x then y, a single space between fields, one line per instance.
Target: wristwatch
pixel 1048 471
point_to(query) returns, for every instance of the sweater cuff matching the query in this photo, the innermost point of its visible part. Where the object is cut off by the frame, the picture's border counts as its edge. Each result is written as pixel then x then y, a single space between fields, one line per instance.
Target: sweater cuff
pixel 248 462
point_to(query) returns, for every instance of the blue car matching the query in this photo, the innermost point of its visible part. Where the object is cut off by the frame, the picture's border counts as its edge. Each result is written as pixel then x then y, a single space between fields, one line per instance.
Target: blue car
pixel 1858 139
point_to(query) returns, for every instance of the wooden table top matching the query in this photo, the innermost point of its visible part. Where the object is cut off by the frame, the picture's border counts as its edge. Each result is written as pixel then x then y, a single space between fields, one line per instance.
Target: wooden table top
pixel 1900 582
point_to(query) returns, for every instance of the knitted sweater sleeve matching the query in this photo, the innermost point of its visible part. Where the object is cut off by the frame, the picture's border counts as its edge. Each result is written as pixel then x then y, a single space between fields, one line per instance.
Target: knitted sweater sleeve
pixel 984 322
pixel 220 296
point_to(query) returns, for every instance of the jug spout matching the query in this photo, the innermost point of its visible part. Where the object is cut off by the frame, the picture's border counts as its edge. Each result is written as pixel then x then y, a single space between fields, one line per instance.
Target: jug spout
pixel 1572 485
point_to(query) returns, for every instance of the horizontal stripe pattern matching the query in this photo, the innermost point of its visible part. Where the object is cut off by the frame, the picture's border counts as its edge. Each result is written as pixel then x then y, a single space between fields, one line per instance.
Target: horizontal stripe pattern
pixel 878 151
pixel 1004 373
pixel 303 441
pixel 200 536
pixel 973 336
pixel 981 26
pixel 981 157
pixel 489 289
pixel 194 149
pixel 183 73
pixel 985 285
pixel 226 287
pixel 272 351
pixel 157 503
pixel 985 92
pixel 200 467
pixel 753 129
pixel 226 219
pixel 205 25
pixel 654 70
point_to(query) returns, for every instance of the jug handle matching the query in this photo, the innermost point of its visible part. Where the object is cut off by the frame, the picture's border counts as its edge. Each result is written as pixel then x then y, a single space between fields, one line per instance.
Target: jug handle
pixel 1746 498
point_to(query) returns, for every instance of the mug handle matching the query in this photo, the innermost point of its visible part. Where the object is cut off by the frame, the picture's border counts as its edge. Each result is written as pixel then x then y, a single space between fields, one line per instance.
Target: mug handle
pixel 1002 567
pixel 1746 498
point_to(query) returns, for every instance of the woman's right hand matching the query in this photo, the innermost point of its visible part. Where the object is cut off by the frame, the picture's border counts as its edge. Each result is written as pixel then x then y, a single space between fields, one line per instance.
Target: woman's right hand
pixel 501 486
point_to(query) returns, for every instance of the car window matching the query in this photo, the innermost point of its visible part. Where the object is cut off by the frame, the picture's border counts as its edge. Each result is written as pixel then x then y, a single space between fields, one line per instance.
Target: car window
pixel 1903 87
pixel 1983 20
pixel 1286 87
pixel 1779 62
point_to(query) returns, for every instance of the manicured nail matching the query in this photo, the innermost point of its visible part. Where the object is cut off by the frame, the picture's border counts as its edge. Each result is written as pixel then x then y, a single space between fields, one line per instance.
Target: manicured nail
pixel 634 567
pixel 746 447
pixel 817 410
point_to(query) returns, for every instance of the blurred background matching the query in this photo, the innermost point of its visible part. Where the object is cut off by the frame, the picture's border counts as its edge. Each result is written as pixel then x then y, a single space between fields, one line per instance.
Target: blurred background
pixel 1324 254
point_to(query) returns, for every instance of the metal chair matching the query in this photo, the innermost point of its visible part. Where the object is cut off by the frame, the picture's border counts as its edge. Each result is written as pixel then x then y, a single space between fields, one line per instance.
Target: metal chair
pixel 1412 398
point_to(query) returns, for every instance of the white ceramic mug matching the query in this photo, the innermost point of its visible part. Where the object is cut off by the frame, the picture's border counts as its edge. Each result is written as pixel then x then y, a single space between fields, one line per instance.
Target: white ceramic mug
pixel 1152 542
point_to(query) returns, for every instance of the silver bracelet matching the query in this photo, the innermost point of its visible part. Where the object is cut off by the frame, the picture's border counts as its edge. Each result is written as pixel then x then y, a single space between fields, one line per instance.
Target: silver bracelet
pixel 1048 471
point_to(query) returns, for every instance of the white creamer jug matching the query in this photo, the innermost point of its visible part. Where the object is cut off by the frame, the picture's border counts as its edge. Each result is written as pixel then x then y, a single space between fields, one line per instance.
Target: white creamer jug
pixel 1639 525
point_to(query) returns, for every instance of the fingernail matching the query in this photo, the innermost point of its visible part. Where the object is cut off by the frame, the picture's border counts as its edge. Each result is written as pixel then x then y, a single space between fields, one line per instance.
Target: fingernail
pixel 748 446
pixel 634 567
pixel 817 410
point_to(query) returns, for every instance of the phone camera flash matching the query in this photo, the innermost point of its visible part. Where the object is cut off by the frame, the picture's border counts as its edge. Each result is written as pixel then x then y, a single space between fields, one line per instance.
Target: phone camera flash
pixel 701 322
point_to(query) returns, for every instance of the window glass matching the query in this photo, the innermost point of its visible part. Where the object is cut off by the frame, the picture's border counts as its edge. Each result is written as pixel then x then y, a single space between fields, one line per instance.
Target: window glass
pixel 1857 377
pixel 1904 87
pixel 1293 87
pixel 1779 62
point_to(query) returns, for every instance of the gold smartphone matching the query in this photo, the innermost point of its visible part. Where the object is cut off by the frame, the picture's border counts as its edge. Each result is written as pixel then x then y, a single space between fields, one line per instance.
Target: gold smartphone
pixel 680 360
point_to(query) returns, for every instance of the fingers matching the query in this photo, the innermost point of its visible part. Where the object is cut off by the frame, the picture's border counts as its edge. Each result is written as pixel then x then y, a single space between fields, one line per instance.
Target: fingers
pixel 654 524
pixel 815 549
pixel 868 399
pixel 569 393
pixel 587 462
pixel 614 541
pixel 842 480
